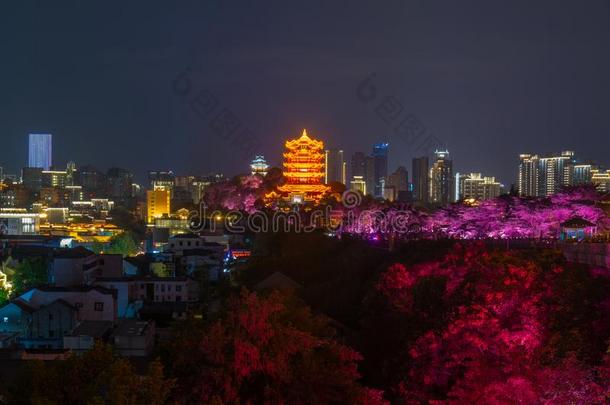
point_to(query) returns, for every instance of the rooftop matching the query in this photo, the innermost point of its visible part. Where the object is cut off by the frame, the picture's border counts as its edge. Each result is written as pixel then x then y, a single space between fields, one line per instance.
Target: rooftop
pixel 132 327
pixel 96 329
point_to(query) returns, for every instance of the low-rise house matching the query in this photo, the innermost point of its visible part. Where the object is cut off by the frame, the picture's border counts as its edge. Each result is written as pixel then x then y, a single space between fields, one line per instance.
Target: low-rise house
pixel 38 326
pixel 42 315
pixel 137 265
pixel 209 259
pixel 84 335
pixel 93 303
pixel 80 266
pixel 277 281
pixel 8 340
pixel 132 292
pixel 177 244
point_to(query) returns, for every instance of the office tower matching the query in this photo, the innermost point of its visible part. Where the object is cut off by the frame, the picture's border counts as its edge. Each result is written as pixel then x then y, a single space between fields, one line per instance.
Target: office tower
pixel 380 157
pixel 582 174
pixel 369 174
pixel 528 182
pixel 358 184
pixel 184 181
pixel 55 178
pixel 476 187
pixel 555 172
pixel 357 164
pixel 259 166
pixel 119 183
pixel 441 179
pixel 162 179
pixel 198 187
pixel 158 204
pixel 334 165
pixel 31 178
pixel 601 179
pixel 420 167
pixel 71 170
pixel 90 179
pixel 40 151
pixel 398 184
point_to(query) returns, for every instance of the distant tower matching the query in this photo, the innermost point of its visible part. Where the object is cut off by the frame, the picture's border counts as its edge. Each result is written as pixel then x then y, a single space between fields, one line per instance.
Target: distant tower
pixel 380 158
pixel 441 179
pixel 419 172
pixel 259 166
pixel 357 164
pixel 528 175
pixel 335 166
pixel 556 172
pixel 40 151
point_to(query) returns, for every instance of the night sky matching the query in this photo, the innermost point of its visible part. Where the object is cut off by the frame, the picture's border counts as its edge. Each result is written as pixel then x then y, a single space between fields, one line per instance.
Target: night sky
pixel 490 79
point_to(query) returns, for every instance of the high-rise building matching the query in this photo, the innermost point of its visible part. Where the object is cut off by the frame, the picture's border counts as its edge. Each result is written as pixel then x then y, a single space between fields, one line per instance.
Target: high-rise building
pixel 556 172
pixel 397 184
pixel 259 166
pixel 582 174
pixel 158 204
pixel 441 179
pixel 119 183
pixel 335 166
pixel 542 176
pixel 476 187
pixel 31 178
pixel 528 183
pixel 369 174
pixel 162 179
pixel 358 164
pixel 601 179
pixel 91 179
pixel 380 158
pixel 40 151
pixel 420 167
pixel 358 184
pixel 55 178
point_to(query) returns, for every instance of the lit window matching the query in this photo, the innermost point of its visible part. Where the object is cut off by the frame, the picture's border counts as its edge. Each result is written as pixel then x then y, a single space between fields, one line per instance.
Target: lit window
pixel 5 319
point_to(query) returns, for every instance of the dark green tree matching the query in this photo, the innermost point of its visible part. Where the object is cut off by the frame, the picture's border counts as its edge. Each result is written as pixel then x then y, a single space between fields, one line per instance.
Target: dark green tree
pixel 29 273
pixel 4 295
pixel 97 377
pixel 122 244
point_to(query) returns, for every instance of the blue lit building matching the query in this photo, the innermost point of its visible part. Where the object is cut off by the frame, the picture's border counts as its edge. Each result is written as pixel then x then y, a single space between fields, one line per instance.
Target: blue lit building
pixel 40 151
pixel 380 162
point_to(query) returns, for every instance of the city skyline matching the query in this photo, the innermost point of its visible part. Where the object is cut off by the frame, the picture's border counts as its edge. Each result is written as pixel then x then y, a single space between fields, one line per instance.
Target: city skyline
pixel 37 152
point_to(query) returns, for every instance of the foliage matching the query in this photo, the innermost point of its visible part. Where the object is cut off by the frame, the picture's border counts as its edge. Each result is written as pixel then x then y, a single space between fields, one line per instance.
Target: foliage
pixel 31 272
pixel 505 217
pixel 160 269
pixel 122 244
pixel 95 377
pixel 240 193
pixel 493 326
pixel 4 295
pixel 265 349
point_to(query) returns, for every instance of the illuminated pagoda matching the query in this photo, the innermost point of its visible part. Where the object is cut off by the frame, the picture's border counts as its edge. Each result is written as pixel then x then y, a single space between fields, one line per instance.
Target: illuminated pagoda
pixel 259 166
pixel 304 170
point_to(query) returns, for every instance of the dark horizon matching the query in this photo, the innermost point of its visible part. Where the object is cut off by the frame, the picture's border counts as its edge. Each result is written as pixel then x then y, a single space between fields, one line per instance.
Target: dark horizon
pixel 490 81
